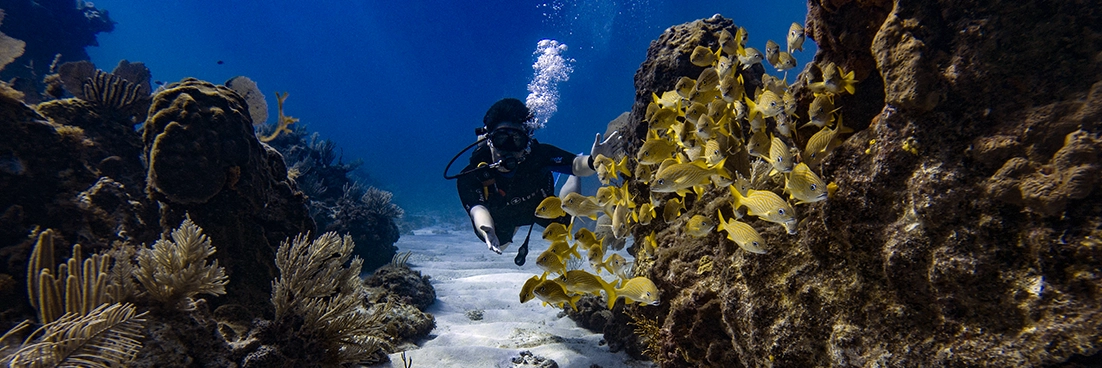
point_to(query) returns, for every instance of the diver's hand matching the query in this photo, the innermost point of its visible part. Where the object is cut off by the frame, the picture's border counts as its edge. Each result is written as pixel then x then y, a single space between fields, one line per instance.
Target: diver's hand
pixel 491 239
pixel 603 147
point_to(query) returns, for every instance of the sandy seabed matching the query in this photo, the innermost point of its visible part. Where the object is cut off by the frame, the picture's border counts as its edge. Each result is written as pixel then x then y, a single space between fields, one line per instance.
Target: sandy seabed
pixel 471 281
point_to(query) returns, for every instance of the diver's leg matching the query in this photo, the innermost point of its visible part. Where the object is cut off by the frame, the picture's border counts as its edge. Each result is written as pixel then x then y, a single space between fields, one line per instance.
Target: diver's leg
pixel 573 184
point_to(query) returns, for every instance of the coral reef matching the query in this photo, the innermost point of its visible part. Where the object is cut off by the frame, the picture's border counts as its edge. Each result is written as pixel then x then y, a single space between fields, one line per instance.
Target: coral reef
pixel 174 271
pixel 336 201
pixel 55 31
pixel 205 160
pixel 961 227
pixel 320 314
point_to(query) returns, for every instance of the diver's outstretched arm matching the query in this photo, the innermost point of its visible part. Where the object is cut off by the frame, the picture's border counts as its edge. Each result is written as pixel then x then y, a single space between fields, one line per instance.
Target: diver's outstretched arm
pixel 573 184
pixel 484 227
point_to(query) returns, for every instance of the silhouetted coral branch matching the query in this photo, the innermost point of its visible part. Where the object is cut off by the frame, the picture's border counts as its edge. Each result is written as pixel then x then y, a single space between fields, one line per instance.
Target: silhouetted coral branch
pixel 283 122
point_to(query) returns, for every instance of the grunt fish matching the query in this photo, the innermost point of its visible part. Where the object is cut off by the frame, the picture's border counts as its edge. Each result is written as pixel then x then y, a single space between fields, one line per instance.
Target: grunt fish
pixel 553 292
pixel 699 226
pixel 677 177
pixel 580 281
pixel 550 208
pixel 702 56
pixel 527 292
pixel 772 49
pixel 767 206
pixel 581 206
pixel 742 234
pixel 796 37
pixel 804 186
pixel 637 289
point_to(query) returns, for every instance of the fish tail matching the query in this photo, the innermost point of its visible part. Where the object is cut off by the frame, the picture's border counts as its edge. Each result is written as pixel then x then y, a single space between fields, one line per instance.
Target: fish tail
pixel 751 107
pixel 573 302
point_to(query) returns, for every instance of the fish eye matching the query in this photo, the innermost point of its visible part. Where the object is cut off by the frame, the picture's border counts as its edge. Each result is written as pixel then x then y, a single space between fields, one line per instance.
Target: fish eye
pixel 814 186
pixel 756 244
pixel 780 211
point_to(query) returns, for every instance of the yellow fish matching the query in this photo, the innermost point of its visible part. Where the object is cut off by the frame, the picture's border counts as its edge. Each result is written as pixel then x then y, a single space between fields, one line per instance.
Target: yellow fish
pixel 554 293
pixel 739 108
pixel 672 209
pixel 564 250
pixel 742 234
pixel 695 111
pixel 664 118
pixel 705 127
pixel 759 144
pixel 551 262
pixel 685 87
pixel 620 217
pixel 804 186
pixel 581 206
pixel 669 99
pixel 821 143
pixel 796 37
pixel 727 43
pixel 785 125
pixel 608 169
pixel 596 257
pixel 655 149
pixel 699 226
pixel 579 281
pixel 586 238
pixel 605 195
pixel 707 80
pixel 713 152
pixel 731 87
pixel 821 111
pixel 617 265
pixel 749 57
pixel 677 177
pixel 780 157
pixel 550 208
pixel 741 35
pixel 556 231
pixel 769 104
pixel 772 49
pixel 834 80
pixel 702 56
pixel 638 289
pixel 767 206
pixel 650 245
pixel 789 103
pixel 785 61
pixel 527 292
pixel 643 174
pixel 644 214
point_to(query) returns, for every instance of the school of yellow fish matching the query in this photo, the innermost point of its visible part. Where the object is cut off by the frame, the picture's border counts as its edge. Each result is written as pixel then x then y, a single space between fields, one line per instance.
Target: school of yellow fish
pixel 697 133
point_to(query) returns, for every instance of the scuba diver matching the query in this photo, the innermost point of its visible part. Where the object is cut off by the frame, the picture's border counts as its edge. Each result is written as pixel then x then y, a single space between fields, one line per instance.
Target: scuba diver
pixel 510 173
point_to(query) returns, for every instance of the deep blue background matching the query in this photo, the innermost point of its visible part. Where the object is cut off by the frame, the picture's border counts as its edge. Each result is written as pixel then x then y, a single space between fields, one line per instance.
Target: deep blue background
pixel 402 85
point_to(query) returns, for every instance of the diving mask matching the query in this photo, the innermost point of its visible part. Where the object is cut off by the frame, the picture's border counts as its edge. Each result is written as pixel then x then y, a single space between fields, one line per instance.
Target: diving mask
pixel 509 139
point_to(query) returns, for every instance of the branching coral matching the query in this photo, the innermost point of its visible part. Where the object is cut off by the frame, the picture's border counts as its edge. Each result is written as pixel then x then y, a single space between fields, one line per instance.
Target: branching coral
pixel 107 336
pixel 174 271
pixel 378 202
pixel 328 297
pixel 78 287
pixel 283 123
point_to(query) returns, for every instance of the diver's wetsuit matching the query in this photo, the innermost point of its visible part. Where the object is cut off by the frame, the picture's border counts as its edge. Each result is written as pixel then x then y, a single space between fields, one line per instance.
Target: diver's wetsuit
pixel 512 197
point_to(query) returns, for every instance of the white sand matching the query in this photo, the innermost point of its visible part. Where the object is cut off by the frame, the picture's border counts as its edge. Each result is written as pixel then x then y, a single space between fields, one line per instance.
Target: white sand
pixel 469 277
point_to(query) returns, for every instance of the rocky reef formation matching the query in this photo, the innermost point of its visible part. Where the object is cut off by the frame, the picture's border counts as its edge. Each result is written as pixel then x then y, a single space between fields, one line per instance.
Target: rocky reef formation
pixel 966 226
pixel 335 200
pixel 55 32
pixel 79 167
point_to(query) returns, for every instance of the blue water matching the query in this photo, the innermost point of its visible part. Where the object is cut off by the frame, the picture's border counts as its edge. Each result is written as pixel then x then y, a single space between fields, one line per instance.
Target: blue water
pixel 402 85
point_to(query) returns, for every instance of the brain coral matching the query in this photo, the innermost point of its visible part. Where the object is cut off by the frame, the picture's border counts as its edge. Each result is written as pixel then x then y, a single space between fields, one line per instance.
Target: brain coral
pixel 199 136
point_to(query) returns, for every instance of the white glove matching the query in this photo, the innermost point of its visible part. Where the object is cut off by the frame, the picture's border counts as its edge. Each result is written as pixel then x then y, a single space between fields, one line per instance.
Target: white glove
pixel 491 239
pixel 603 147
